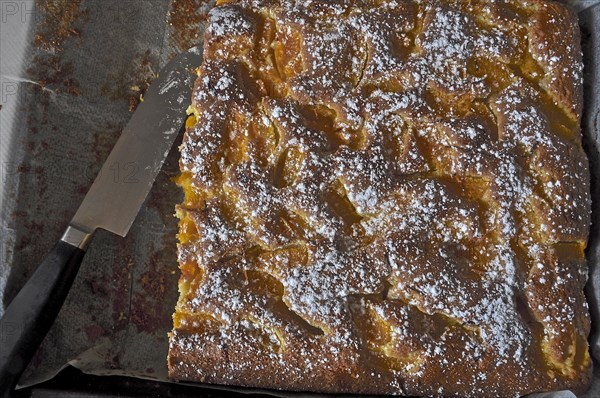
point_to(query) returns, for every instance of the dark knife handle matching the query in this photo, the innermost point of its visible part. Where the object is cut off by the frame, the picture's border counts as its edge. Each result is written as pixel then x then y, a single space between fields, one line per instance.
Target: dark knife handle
pixel 32 312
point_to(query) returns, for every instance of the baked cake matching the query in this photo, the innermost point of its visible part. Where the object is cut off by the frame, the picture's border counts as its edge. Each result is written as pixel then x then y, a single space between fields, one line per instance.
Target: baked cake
pixel 385 197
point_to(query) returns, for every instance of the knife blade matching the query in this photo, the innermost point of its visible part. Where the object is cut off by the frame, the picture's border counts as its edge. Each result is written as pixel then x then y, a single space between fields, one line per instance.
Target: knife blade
pixel 128 173
pixel 112 203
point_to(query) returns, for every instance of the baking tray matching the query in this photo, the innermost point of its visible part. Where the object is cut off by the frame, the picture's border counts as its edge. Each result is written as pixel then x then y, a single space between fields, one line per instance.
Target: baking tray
pixel 71 73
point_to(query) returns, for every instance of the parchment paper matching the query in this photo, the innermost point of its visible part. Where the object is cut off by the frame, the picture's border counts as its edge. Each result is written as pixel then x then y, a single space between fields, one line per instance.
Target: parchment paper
pixel 70 73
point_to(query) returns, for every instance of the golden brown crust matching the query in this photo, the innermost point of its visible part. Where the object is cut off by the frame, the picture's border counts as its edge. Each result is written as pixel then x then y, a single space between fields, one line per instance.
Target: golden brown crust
pixel 562 64
pixel 385 197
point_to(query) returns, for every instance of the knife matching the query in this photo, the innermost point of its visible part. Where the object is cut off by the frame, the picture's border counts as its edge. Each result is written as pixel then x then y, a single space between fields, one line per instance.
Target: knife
pixel 112 203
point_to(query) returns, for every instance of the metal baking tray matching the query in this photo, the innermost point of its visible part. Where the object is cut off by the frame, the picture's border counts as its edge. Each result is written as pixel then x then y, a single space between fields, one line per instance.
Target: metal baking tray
pixel 71 71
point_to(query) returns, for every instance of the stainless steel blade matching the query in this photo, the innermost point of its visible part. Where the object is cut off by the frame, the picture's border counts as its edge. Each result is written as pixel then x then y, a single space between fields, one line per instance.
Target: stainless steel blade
pixel 115 197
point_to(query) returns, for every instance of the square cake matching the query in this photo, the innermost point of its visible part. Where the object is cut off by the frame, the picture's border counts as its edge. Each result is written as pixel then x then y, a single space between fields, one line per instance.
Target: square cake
pixel 385 197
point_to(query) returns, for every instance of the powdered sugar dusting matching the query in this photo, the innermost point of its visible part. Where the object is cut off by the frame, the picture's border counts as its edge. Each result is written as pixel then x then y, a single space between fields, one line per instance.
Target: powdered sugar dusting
pixel 384 194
